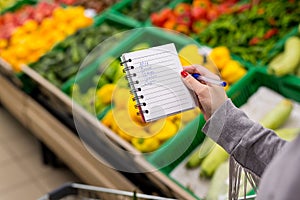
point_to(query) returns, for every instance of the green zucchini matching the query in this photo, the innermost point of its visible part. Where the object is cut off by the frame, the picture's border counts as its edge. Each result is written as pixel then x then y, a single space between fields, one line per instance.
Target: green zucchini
pixel 289 60
pixel 288 133
pixel 278 115
pixel 200 153
pixel 211 162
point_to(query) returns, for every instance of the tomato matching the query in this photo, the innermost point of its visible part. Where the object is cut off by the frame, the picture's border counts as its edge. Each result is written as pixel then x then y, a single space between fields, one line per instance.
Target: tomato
pixel 182 9
pixel 212 14
pixel 206 4
pixel 198 13
pixel 184 20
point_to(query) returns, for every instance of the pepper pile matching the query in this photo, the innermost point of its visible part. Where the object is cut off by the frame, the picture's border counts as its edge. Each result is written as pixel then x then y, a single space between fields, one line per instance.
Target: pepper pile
pixel 253 33
pixel 31 40
pixel 195 17
pixel 123 120
pixel 10 21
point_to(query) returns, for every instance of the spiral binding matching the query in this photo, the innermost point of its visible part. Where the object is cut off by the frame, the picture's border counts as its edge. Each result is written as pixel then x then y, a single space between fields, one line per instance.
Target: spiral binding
pixel 125 61
pixel 134 90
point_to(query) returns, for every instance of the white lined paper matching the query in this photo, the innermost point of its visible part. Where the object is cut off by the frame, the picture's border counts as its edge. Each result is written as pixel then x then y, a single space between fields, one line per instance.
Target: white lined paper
pixel 157 71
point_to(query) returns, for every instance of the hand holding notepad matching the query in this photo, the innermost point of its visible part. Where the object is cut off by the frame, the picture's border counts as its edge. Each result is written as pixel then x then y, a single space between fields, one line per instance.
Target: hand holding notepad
pixel 154 78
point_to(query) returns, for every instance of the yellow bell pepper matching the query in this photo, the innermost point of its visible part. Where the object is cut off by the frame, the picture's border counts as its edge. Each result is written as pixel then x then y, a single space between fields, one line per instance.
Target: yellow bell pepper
pixel 220 55
pixel 232 71
pixel 145 145
pixel 105 93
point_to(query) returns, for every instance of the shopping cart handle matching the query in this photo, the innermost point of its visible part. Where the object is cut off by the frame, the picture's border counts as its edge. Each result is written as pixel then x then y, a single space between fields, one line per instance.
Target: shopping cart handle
pixel 63 191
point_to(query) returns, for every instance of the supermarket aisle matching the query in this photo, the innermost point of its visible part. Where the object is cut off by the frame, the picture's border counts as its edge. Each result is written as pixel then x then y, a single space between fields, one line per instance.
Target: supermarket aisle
pixel 22 173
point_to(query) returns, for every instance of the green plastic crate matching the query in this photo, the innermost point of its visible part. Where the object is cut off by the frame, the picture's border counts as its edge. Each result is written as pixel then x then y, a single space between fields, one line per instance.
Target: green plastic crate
pixel 239 94
pixel 19 4
pixel 111 19
pixel 152 36
pixel 288 87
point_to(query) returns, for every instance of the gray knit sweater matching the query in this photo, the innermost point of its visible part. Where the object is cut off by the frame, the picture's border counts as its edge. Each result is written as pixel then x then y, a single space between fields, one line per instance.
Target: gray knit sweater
pixel 260 150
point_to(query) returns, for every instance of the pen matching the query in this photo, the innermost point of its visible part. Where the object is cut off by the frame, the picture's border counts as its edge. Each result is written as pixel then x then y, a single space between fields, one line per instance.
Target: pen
pixel 209 80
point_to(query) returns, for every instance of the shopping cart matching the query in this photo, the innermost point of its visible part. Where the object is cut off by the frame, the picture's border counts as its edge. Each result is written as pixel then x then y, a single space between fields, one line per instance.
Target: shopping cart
pixel 75 191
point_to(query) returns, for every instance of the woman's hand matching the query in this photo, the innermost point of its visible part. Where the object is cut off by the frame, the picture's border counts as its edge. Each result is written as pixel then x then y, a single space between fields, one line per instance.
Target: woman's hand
pixel 210 96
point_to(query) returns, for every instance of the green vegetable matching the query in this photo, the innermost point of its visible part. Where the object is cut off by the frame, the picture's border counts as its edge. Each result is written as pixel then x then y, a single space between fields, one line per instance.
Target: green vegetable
pixel 66 57
pixel 237 30
pixel 278 115
pixel 288 133
pixel 200 153
pixel 288 61
pixel 211 162
pixel 219 184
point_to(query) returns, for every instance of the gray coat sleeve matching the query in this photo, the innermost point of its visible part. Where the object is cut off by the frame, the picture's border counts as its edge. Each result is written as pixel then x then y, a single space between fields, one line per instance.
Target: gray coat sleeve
pixel 252 145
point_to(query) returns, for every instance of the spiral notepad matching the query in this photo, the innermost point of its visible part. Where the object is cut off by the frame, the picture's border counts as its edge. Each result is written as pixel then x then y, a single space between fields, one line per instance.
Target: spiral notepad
pixel 154 78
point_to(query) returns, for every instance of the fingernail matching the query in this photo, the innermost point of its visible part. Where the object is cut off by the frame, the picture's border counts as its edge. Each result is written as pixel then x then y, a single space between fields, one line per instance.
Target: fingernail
pixel 184 74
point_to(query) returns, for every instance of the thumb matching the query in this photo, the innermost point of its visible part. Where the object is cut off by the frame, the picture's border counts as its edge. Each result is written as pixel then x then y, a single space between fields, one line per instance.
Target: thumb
pixel 192 83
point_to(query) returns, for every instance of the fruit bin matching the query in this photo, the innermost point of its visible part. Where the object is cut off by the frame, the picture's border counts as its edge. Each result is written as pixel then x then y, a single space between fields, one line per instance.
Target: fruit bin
pixel 251 44
pixel 239 94
pixel 34 82
pixel 140 38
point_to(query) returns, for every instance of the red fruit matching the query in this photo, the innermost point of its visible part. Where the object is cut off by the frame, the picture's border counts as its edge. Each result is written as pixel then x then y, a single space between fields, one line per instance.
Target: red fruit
pixel 182 9
pixel 165 13
pixel 270 33
pixel 199 26
pixel 156 19
pixel 184 20
pixel 225 8
pixel 8 18
pixel 254 41
pixel 182 29
pixel 170 24
pixel 212 14
pixel 198 13
pixel 206 4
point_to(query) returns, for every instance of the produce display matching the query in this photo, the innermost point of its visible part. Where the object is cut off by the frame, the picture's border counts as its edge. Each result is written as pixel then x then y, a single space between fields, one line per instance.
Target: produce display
pixel 33 39
pixel 11 20
pixel 145 137
pixel 233 36
pixel 141 9
pixel 218 61
pixel 192 18
pixel 112 92
pixel 253 33
pixel 63 61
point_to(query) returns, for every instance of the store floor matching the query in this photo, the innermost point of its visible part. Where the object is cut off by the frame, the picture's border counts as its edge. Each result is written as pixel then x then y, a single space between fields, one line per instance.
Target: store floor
pixel 22 173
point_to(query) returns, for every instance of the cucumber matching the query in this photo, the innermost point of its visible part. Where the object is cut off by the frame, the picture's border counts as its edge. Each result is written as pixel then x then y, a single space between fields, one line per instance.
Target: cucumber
pixel 219 186
pixel 200 153
pixel 211 162
pixel 288 133
pixel 289 60
pixel 278 115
